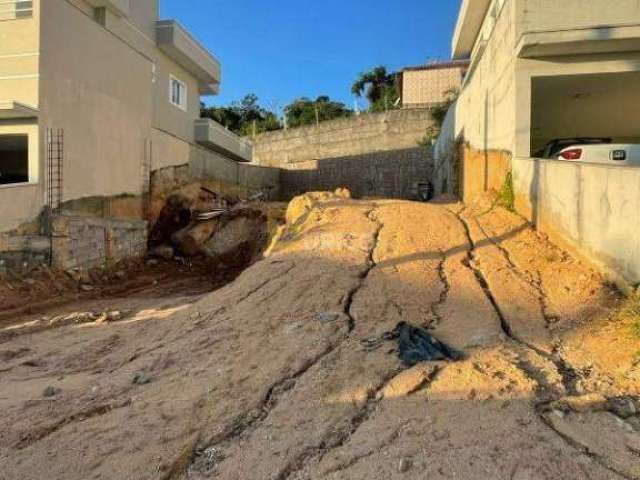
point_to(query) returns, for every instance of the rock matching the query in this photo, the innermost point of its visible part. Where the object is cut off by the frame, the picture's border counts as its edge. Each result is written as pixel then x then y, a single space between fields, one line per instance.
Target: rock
pixel 121 274
pixel 113 316
pixel 152 262
pixel 327 317
pixel 51 392
pixel 405 465
pixel 190 240
pixel 591 402
pixel 87 288
pixel 29 281
pixel 409 381
pixel 74 274
pixel 238 232
pixel 343 193
pixel 623 407
pixel 163 251
pixel 141 378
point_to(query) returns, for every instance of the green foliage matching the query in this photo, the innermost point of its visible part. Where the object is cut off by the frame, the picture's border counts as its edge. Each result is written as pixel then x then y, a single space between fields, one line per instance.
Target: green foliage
pixel 304 111
pixel 244 117
pixel 381 88
pixel 438 115
pixel 506 195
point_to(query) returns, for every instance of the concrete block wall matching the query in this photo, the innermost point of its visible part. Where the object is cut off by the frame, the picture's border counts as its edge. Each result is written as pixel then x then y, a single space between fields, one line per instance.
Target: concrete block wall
pixel 367 133
pixel 430 86
pixel 88 242
pixel 388 174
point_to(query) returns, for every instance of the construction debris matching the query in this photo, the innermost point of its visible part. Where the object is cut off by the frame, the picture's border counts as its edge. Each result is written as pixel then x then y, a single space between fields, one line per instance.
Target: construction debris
pixel 212 225
pixel 415 345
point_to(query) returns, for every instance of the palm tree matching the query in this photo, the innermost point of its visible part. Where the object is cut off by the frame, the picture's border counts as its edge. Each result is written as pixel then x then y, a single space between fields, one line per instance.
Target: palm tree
pixel 377 85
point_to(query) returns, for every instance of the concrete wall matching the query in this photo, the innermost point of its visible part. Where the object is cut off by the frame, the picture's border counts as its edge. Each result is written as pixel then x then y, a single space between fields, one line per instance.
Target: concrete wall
pixel 482 171
pixel 486 108
pixel 510 106
pixel 143 15
pixel 105 112
pixel 387 174
pixel 397 129
pixel 89 242
pixel 593 208
pixel 546 15
pixel 166 116
pixel 19 57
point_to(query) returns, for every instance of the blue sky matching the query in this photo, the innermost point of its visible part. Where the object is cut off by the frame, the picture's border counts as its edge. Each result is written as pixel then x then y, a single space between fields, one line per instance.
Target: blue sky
pixel 285 49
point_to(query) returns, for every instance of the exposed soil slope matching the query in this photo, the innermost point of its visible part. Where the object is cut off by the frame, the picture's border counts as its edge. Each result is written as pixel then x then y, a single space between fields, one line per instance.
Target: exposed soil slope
pixel 266 378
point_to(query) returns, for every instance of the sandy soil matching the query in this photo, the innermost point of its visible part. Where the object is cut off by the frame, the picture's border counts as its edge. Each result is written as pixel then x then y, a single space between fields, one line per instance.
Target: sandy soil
pixel 266 377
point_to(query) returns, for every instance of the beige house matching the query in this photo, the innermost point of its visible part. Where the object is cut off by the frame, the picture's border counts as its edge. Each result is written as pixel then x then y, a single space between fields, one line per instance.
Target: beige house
pixel 542 70
pixel 94 95
pixel 432 84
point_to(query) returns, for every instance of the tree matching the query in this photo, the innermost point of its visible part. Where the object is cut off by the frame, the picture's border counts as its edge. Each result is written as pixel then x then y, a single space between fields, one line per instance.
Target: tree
pixel 245 117
pixel 304 111
pixel 381 88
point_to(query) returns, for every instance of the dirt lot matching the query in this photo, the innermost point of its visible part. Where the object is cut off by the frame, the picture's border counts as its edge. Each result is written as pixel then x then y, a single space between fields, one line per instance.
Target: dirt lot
pixel 267 377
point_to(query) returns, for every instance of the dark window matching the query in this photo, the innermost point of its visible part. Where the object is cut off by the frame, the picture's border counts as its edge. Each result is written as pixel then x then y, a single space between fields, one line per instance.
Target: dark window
pixel 14 159
pixel 24 9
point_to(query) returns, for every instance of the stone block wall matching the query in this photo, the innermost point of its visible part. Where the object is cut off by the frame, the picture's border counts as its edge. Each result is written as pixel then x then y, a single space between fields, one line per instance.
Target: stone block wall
pixel 387 174
pixel 367 133
pixel 89 242
pixel 21 253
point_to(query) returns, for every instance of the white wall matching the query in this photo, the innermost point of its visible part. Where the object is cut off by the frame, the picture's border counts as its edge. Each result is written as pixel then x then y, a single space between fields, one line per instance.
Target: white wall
pixel 595 208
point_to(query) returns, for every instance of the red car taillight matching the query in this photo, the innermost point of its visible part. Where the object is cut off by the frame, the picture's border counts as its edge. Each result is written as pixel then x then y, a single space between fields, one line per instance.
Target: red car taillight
pixel 573 154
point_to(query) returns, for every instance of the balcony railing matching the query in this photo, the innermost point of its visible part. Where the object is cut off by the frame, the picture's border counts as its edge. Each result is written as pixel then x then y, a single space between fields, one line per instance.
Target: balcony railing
pixel 15 9
pixel 214 136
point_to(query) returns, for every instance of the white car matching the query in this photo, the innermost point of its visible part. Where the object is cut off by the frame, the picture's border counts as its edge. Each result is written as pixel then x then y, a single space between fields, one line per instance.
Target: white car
pixel 604 153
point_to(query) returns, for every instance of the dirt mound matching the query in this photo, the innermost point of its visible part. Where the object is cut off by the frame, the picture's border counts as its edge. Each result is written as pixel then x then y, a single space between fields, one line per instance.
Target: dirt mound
pixel 268 378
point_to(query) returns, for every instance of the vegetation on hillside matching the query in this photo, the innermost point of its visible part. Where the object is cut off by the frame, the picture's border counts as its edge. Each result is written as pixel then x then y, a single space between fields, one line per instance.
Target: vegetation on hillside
pixel 304 111
pixel 248 117
pixel 381 89
pixel 245 117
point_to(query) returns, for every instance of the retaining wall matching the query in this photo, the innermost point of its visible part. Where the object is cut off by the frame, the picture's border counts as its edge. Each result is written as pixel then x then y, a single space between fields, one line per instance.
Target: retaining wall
pixel 593 208
pixel 388 174
pixel 367 133
pixel 21 253
pixel 89 242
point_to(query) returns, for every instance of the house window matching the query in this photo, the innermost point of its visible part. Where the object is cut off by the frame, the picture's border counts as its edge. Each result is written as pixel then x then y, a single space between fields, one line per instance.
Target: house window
pixel 14 159
pixel 178 93
pixel 15 9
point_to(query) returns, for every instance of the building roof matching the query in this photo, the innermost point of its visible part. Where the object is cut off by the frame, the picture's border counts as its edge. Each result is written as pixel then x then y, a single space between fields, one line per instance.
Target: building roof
pixel 461 64
pixel 470 18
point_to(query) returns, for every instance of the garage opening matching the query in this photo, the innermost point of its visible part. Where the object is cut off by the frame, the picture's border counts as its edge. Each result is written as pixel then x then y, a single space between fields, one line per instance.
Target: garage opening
pixel 14 159
pixel 588 107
